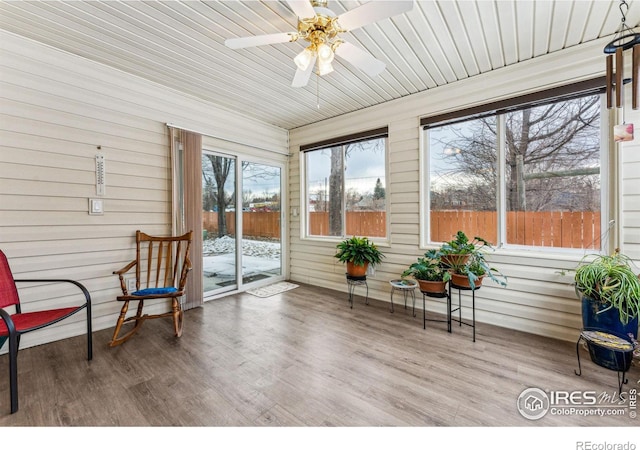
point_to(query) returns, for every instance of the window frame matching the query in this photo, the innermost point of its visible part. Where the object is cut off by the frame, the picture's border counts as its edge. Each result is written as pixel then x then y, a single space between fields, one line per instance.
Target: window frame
pixel 537 99
pixel 377 133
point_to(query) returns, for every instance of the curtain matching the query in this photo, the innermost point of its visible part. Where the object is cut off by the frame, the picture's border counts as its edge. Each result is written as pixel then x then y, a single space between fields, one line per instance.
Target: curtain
pixel 186 165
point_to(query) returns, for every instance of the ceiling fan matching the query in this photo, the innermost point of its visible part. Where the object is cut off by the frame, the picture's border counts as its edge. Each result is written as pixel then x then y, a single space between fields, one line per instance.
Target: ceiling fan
pixel 321 27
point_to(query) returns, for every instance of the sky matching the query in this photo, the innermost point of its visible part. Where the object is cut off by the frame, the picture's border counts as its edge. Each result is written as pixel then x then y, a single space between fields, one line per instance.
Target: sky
pixel 259 179
pixel 363 167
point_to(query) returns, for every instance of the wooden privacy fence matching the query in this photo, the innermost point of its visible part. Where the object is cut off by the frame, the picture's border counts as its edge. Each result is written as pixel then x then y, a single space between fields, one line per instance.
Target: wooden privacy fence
pixel 359 223
pixel 259 224
pixel 578 229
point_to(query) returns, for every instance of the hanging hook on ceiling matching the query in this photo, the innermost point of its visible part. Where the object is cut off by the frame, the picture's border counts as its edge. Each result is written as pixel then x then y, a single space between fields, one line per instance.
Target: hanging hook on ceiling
pixel 625 37
pixel 624 4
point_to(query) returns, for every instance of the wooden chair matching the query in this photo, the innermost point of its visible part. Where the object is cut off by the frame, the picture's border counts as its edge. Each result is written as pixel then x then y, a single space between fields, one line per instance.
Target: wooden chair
pixel 161 268
pixel 12 326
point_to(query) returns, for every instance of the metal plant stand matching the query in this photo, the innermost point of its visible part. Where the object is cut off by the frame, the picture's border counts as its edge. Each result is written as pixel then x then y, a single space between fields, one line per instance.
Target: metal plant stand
pixel 459 307
pixel 447 295
pixel 352 283
pixel 408 288
pixel 609 350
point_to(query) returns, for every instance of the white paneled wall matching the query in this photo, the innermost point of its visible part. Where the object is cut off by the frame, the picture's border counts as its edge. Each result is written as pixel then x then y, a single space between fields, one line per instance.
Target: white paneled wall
pixel 538 298
pixel 55 110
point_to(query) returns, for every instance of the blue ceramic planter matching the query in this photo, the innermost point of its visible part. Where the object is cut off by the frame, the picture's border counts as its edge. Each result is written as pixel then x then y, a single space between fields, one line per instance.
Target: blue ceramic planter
pixel 593 316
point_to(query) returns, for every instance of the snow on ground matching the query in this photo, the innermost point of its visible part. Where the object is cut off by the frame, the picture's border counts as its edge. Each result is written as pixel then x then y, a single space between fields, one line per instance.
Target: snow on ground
pixel 227 244
pixel 257 257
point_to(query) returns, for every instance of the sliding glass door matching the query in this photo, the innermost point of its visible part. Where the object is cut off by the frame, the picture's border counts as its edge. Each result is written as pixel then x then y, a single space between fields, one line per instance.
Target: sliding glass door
pixel 241 242
pixel 219 223
pixel 261 222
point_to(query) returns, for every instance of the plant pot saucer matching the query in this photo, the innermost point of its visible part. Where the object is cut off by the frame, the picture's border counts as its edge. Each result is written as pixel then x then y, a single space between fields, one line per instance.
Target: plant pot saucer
pixel 402 283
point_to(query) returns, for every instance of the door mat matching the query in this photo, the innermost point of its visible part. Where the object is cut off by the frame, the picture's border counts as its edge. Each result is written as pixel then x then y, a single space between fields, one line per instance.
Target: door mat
pixel 272 289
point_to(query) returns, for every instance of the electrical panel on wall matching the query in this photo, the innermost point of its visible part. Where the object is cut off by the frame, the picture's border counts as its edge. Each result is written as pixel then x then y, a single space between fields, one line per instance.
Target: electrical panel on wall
pixel 101 182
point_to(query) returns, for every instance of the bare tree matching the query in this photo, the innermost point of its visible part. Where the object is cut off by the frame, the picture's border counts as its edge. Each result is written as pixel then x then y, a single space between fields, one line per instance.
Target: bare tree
pixel 339 157
pixel 220 168
pixel 552 154
pixel 336 195
pixel 215 172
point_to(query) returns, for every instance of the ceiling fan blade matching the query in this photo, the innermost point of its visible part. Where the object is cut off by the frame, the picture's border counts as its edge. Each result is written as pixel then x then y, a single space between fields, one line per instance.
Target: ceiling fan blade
pixel 302 8
pixel 360 59
pixel 372 12
pixel 252 41
pixel 301 77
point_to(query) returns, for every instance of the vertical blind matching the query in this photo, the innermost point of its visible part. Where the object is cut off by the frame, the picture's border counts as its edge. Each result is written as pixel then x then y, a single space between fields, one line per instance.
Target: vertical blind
pixel 186 162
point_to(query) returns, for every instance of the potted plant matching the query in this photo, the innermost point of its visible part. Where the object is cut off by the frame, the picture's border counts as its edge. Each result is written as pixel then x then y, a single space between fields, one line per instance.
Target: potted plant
pixel 610 293
pixel 358 253
pixel 466 261
pixel 473 272
pixel 429 273
pixel 457 251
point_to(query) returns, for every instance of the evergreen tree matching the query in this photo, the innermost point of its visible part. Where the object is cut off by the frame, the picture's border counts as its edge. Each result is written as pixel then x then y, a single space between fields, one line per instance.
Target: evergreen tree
pixel 378 191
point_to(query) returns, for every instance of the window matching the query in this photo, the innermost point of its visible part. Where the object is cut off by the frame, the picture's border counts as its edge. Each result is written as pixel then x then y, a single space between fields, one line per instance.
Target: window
pixel 463 180
pixel 529 176
pixel 346 186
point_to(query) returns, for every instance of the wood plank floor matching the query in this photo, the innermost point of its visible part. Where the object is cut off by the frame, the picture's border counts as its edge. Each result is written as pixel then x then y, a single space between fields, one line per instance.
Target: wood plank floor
pixel 301 358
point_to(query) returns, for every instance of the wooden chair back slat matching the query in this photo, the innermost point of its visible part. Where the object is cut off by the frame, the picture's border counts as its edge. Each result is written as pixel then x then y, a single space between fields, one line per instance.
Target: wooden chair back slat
pixel 164 261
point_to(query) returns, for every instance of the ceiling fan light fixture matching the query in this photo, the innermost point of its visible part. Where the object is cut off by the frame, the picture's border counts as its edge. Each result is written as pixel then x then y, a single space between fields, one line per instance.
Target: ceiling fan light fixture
pixel 325 54
pixel 324 68
pixel 320 27
pixel 303 59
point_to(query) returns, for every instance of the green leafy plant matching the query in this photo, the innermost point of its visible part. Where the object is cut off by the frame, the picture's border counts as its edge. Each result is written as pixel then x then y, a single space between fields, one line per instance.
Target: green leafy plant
pixel 468 257
pixel 610 280
pixel 478 267
pixel 358 250
pixel 428 268
pixel 461 245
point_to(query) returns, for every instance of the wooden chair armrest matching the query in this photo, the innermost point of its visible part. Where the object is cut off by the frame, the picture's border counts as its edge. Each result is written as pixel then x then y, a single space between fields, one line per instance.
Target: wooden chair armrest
pixel 126 268
pixel 120 274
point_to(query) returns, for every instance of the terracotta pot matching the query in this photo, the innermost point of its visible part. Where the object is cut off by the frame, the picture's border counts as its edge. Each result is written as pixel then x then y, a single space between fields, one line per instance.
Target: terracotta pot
pixel 437 287
pixel 454 260
pixel 357 271
pixel 463 280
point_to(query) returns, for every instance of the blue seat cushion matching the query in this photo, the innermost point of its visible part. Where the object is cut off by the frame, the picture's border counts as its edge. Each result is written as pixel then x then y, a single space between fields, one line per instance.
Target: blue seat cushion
pixel 155 291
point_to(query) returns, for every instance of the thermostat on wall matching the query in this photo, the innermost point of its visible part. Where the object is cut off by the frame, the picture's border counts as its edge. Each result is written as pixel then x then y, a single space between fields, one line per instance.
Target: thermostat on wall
pixel 96 206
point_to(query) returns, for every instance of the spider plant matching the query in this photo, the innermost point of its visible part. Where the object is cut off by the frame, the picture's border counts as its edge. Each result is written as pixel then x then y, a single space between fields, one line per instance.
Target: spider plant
pixel 610 280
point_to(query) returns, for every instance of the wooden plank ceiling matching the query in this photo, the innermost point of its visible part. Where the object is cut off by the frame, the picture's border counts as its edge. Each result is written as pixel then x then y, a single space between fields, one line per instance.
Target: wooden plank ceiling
pixel 180 44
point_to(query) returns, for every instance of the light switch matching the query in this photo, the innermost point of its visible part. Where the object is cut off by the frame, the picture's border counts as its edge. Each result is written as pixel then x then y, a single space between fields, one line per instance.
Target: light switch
pixel 96 206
